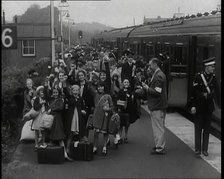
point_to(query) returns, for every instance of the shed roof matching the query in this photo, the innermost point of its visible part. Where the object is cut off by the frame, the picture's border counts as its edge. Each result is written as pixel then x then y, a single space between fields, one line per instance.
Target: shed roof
pixel 33 30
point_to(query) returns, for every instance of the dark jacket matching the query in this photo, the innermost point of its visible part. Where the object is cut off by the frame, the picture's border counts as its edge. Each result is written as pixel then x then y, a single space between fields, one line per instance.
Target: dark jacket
pixel 88 98
pixel 57 129
pixel 131 107
pixel 27 100
pixel 72 79
pixel 37 105
pixel 71 104
pixel 126 71
pixel 108 78
pixel 157 92
pixel 202 103
pixel 107 82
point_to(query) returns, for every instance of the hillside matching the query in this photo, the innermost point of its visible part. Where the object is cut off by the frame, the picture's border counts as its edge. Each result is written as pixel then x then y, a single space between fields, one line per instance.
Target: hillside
pixel 43 14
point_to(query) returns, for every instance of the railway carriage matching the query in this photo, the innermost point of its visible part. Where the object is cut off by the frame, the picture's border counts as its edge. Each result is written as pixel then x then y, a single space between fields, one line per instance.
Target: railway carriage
pixel 187 42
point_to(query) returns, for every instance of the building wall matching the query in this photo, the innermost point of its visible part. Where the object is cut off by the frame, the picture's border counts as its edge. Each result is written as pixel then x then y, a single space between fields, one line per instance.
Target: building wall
pixel 14 57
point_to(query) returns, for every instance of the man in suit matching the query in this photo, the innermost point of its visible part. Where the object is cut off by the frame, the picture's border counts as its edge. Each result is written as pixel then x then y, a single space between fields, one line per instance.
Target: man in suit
pixel 157 104
pixel 205 89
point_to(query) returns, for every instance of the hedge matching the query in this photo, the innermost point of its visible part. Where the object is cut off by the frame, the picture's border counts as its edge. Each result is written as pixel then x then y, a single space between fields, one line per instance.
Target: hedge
pixel 13 85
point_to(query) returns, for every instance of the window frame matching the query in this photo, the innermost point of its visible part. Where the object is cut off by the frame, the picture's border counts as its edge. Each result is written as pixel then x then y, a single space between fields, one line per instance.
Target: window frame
pixel 34 47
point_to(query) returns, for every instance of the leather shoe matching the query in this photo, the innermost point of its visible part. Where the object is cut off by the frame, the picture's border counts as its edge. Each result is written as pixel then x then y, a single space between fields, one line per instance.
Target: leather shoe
pixel 104 152
pixel 108 143
pixel 197 152
pixel 95 151
pixel 120 141
pixel 154 152
pixel 205 153
pixel 126 140
pixel 116 146
pixel 69 159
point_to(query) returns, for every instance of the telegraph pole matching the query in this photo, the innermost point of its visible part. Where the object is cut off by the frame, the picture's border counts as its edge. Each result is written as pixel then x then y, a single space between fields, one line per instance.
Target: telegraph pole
pixel 52 33
pixel 61 5
pixel 62 56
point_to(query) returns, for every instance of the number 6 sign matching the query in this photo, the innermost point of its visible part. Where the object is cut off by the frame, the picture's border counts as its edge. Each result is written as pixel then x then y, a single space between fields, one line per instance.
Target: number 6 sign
pixel 9 37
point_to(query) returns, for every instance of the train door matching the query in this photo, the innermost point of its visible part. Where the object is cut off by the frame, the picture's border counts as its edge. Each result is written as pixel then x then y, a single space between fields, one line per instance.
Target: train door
pixel 125 45
pixel 158 48
pixel 149 50
pixel 178 76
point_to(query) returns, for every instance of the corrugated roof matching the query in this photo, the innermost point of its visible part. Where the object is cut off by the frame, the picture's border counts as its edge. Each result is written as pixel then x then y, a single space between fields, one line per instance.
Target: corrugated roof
pixel 29 30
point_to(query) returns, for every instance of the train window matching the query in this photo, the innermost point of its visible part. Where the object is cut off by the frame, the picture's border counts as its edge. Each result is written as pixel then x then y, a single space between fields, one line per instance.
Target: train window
pixel 167 48
pixel 158 48
pixel 211 51
pixel 124 45
pixel 180 55
pixel 28 47
pixel 179 60
pixel 150 50
pixel 205 52
pixel 171 50
pixel 138 49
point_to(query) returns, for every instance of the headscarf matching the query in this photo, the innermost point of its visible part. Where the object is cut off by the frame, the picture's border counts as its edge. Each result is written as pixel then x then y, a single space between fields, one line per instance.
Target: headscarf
pixel 104 101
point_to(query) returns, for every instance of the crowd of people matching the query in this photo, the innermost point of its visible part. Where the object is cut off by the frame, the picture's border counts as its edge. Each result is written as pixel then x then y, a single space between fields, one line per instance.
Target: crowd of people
pixel 83 92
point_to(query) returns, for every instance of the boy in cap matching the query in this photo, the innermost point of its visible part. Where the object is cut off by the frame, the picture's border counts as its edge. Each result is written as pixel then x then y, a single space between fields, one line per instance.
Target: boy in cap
pixel 205 89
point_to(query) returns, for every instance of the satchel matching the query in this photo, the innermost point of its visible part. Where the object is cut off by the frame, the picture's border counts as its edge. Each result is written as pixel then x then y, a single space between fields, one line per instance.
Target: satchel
pixel 47 121
pixel 114 124
pixel 32 114
pixel 89 124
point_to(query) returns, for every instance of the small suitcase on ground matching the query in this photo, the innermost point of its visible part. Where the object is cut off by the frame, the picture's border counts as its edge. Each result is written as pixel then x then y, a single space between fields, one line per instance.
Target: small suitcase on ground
pixel 83 151
pixel 50 155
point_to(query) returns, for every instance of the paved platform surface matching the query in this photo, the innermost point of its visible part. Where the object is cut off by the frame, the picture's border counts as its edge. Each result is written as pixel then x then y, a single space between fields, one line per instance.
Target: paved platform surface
pixel 132 160
pixel 184 130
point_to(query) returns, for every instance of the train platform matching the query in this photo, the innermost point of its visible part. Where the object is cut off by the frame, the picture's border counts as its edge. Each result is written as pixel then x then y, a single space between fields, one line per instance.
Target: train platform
pixel 132 160
pixel 184 130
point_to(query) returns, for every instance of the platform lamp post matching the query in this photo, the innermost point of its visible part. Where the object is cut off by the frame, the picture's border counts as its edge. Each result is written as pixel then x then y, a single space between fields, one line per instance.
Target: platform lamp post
pixel 63 12
pixel 52 33
pixel 70 22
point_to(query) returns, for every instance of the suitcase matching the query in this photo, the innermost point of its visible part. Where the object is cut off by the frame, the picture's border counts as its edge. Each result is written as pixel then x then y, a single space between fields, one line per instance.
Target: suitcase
pixel 83 151
pixel 50 155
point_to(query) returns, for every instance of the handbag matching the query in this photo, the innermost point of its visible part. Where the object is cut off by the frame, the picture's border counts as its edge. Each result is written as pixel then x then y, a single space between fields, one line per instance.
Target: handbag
pixel 32 114
pixel 47 121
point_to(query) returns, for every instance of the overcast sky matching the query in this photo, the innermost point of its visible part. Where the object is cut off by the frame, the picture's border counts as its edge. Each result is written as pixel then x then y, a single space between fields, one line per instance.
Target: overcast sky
pixel 118 13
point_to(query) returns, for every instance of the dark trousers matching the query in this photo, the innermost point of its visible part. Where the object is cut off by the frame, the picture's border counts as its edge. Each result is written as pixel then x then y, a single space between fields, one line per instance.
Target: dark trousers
pixel 202 130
